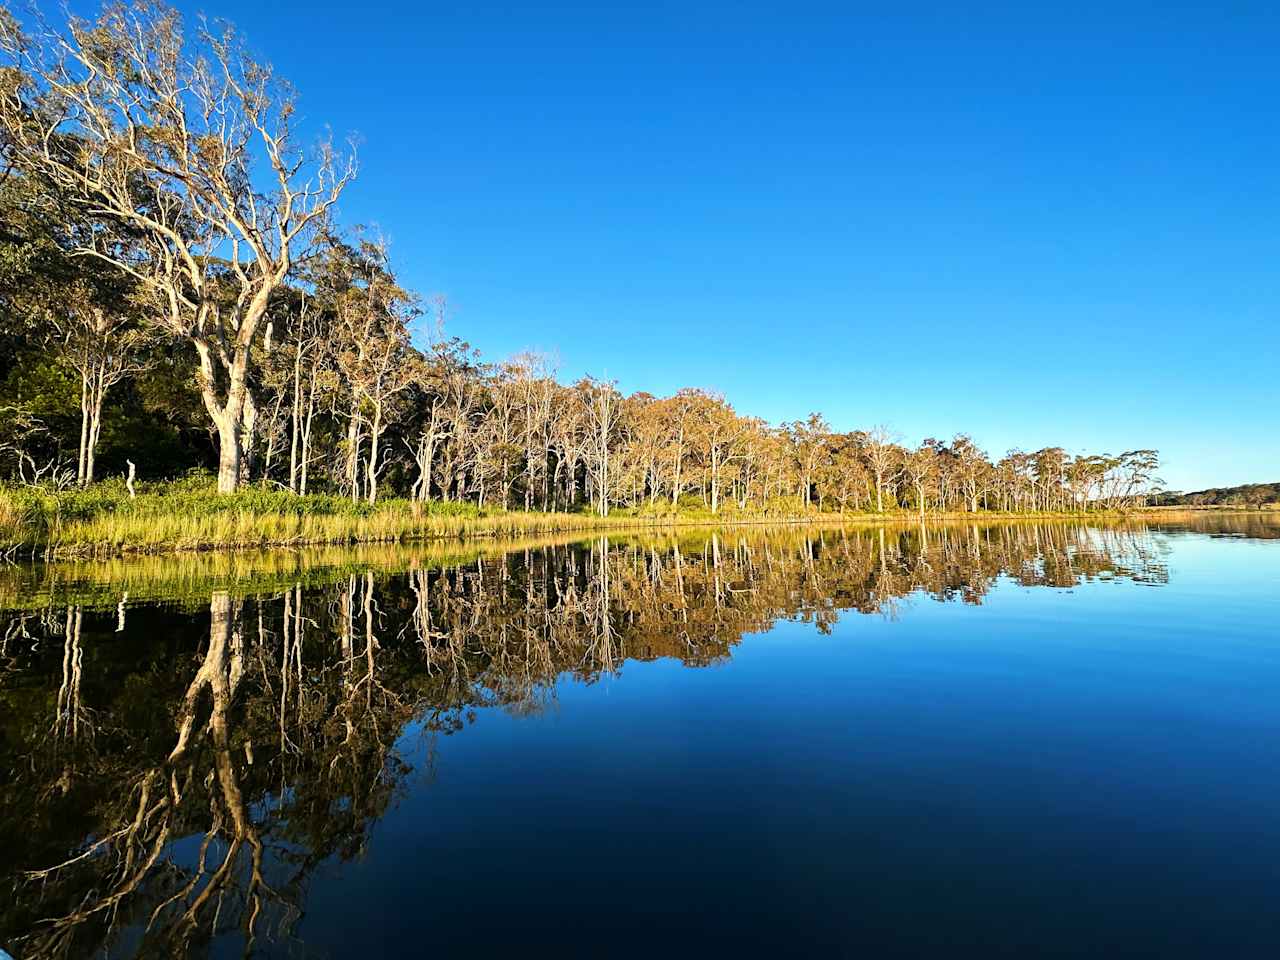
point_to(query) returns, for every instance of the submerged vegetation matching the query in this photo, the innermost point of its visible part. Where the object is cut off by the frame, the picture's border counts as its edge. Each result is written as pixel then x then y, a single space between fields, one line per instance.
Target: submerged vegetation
pixel 176 295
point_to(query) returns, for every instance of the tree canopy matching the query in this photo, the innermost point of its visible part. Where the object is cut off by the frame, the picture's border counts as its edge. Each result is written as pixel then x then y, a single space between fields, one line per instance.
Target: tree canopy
pixel 177 294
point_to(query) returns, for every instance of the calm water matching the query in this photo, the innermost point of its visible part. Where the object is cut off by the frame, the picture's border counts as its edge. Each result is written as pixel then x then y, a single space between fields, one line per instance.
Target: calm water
pixel 964 741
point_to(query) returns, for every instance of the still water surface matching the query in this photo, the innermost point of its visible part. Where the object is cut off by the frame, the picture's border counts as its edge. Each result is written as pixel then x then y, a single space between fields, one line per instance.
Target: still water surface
pixel 1053 740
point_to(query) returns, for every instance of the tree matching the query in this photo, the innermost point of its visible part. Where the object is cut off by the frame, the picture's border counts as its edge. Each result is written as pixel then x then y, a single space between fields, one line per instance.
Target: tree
pixel 601 417
pixel 449 365
pixel 649 437
pixel 534 381
pixel 971 469
pixel 679 410
pixel 882 456
pixel 719 431
pixel 809 438
pixel 377 362
pixel 168 140
pixel 921 468
pixel 311 352
pixel 102 345
pixel 840 474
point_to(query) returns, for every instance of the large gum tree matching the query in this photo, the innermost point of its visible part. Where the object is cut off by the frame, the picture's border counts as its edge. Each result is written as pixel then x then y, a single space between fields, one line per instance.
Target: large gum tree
pixel 187 144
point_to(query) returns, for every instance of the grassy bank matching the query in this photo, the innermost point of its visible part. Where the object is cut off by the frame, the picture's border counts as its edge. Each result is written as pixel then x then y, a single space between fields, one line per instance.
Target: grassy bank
pixel 103 521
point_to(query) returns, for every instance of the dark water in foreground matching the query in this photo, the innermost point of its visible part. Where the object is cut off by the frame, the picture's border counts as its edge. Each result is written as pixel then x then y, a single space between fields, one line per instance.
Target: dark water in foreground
pixel 966 741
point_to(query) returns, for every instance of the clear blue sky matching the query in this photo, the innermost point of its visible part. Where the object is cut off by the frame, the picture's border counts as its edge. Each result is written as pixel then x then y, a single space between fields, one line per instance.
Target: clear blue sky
pixel 1054 225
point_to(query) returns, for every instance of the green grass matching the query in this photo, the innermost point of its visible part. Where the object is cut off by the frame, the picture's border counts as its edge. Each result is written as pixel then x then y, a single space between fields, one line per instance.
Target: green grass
pixel 103 521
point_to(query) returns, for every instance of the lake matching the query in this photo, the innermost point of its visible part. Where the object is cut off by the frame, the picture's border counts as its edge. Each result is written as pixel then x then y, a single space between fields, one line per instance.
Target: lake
pixel 974 740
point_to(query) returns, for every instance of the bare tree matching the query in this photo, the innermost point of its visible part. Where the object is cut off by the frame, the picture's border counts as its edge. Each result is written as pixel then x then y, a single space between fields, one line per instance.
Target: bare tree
pixel 679 410
pixel 971 468
pixel 376 359
pixel 810 438
pixel 102 346
pixel 921 467
pixel 137 127
pixel 601 416
pixel 882 457
pixel 533 376
pixel 719 432
pixel 312 350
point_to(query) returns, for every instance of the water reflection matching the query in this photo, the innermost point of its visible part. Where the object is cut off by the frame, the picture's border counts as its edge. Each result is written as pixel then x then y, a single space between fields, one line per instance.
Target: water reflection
pixel 175 777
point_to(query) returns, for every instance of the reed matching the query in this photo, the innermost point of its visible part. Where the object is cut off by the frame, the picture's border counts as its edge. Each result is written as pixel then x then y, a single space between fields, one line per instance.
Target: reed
pixel 104 521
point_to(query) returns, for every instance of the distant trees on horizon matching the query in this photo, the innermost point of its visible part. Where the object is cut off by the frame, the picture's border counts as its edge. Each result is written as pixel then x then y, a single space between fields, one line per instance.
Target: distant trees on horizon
pixel 175 291
pixel 1245 495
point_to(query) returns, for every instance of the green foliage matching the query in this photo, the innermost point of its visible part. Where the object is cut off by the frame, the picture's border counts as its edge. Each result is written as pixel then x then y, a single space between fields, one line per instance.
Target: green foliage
pixel 315 383
pixel 1246 495
pixel 784 506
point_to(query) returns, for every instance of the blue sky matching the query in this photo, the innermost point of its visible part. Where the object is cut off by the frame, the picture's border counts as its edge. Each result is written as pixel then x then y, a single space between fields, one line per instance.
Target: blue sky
pixel 1055 225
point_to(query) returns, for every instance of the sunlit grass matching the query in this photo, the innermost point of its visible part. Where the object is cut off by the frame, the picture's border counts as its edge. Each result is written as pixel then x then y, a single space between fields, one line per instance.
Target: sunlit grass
pixel 103 521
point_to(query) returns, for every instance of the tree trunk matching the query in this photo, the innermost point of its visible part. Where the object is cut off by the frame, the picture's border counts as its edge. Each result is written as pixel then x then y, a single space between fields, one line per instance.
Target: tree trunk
pixel 353 455
pixel 715 481
pixel 228 454
pixel 84 430
pixel 304 465
pixel 226 416
pixel 374 432
pixel 248 435
pixel 679 460
pixel 97 397
pixel 91 448
pixel 295 419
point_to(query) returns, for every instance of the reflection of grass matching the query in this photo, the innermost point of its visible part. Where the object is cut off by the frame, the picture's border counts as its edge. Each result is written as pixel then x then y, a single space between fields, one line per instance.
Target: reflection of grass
pixel 103 521
pixel 193 576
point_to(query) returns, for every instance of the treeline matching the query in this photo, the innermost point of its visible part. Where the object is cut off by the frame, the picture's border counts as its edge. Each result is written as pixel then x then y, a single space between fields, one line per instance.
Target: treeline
pixel 1245 495
pixel 177 294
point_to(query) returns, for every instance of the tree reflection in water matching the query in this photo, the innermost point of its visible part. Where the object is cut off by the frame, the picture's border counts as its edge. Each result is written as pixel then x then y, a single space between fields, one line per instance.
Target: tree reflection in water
pixel 180 783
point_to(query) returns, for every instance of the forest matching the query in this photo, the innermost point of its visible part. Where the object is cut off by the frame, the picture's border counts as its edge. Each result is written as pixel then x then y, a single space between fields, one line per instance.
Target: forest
pixel 179 301
pixel 1246 495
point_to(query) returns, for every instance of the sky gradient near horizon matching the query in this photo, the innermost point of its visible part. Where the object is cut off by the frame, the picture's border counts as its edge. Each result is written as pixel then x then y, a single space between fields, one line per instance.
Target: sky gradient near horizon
pixel 1052 226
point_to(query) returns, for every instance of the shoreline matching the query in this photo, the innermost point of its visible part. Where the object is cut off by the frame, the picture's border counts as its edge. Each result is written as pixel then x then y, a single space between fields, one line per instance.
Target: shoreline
pixel 155 530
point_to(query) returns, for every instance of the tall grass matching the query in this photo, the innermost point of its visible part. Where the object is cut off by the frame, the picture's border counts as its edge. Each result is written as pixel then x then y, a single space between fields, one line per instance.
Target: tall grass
pixel 103 521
